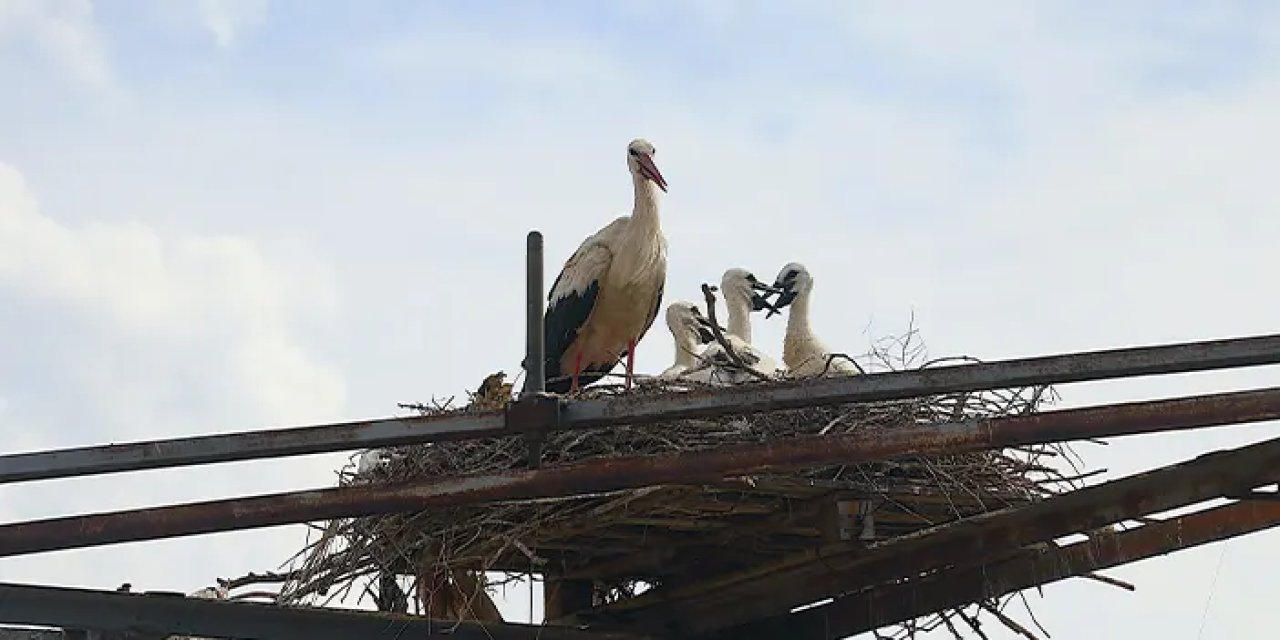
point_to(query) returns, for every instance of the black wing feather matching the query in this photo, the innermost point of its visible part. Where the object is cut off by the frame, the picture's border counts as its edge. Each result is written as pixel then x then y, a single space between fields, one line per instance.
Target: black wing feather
pixel 564 317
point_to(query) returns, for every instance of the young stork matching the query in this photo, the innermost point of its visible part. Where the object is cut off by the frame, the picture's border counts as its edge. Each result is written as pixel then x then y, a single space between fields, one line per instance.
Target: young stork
pixel 609 291
pixel 802 352
pixel 689 330
pixel 742 297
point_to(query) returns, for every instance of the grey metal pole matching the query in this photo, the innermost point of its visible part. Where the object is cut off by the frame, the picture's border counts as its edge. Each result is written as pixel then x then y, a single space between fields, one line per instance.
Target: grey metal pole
pixel 527 413
pixel 535 345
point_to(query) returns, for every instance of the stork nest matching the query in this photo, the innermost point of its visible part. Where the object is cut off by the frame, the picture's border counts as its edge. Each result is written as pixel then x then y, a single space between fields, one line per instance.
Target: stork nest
pixel 694 531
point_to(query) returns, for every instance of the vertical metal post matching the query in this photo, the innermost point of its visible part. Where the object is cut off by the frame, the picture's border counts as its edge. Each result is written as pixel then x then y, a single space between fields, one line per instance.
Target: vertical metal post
pixel 535 381
pixel 535 348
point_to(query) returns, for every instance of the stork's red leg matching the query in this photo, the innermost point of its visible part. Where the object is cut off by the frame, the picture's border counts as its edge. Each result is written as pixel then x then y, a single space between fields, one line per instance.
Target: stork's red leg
pixel 577 369
pixel 631 362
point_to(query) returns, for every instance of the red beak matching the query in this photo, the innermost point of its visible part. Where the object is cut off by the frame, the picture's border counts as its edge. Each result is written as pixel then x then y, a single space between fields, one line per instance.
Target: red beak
pixel 650 171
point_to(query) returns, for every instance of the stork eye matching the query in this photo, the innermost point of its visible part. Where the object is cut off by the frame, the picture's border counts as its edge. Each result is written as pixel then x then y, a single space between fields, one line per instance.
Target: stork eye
pixel 633 152
pixel 751 278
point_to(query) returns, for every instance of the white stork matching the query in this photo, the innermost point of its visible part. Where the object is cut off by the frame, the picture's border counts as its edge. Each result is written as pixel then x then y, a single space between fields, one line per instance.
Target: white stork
pixel 609 291
pixel 742 297
pixel 689 330
pixel 802 352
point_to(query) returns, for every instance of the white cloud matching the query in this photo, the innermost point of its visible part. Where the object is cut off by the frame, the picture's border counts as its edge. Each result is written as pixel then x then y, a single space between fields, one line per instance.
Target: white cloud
pixel 60 29
pixel 228 20
pixel 218 292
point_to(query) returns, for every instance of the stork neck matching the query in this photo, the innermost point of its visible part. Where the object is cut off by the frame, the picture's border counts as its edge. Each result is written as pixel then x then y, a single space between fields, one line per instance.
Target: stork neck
pixel 686 347
pixel 644 212
pixel 798 319
pixel 798 344
pixel 739 316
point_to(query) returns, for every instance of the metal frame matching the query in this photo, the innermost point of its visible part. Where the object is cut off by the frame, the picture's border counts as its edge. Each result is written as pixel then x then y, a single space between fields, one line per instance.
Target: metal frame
pixel 612 474
pixel 536 413
pixel 775 588
pixel 853 614
pixel 641 410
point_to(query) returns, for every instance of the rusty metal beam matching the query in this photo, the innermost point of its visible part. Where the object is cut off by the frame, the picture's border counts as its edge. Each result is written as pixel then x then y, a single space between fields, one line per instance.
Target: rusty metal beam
pixel 635 410
pixel 175 614
pixel 891 604
pixel 775 588
pixel 611 474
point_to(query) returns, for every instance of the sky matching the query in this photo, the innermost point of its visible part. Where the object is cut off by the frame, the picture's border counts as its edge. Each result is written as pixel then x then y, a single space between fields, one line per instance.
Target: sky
pixel 220 215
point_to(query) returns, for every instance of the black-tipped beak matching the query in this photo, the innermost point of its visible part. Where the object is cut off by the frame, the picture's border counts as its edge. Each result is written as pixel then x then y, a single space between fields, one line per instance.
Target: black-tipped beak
pixel 785 297
pixel 767 288
pixel 760 303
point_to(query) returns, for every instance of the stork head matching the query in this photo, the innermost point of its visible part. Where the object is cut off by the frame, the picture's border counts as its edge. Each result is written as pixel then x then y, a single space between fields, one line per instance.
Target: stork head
pixel 792 281
pixel 685 318
pixel 743 285
pixel 640 161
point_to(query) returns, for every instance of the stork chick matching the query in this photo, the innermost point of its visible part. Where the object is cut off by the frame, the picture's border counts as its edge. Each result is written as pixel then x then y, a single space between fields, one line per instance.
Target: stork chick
pixel 607 295
pixel 802 352
pixel 742 296
pixel 689 330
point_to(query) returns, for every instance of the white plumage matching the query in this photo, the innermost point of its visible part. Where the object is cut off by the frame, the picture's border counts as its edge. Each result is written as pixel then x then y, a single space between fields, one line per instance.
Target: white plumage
pixel 741 293
pixel 608 294
pixel 803 353
pixel 690 331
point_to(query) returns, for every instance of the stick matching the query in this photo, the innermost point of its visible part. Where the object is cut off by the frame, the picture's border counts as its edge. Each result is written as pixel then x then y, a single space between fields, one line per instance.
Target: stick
pixel 1009 622
pixel 715 329
pixel 1111 581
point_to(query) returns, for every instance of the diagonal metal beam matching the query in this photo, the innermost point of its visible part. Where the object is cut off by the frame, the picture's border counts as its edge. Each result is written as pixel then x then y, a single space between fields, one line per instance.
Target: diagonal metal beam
pixel 777 587
pixel 640 409
pixel 611 474
pixel 174 614
pixel 892 604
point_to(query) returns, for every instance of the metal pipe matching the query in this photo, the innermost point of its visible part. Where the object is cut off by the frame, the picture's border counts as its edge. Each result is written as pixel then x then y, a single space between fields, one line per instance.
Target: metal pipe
pixel 168 613
pixel 609 474
pixel 535 381
pixel 743 399
pixel 535 346
pixel 248 445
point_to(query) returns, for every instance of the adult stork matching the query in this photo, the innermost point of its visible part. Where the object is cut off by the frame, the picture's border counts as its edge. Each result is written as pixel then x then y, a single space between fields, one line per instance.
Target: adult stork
pixel 609 291
pixel 689 330
pixel 802 352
